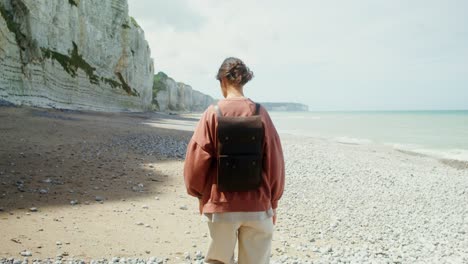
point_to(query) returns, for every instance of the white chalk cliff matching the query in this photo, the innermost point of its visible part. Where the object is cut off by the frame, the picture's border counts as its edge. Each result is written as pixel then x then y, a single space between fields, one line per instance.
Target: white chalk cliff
pixel 74 54
pixel 169 95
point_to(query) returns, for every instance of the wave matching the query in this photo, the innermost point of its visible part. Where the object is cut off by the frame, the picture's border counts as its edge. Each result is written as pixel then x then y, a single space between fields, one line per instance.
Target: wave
pixel 352 141
pixel 295 117
pixel 443 154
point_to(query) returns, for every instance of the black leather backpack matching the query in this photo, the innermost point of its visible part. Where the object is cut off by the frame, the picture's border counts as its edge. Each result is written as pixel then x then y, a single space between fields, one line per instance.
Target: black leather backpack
pixel 239 151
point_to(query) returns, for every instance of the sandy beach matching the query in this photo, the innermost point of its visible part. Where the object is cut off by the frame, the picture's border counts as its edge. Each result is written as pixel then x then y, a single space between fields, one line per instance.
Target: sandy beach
pixel 109 186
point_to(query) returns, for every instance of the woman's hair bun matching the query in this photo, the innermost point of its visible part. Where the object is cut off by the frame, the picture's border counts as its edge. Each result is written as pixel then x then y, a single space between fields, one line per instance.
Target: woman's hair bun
pixel 235 71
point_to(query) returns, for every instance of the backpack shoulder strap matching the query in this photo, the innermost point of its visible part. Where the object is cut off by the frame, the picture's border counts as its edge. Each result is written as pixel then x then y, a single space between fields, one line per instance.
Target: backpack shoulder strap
pixel 218 111
pixel 257 108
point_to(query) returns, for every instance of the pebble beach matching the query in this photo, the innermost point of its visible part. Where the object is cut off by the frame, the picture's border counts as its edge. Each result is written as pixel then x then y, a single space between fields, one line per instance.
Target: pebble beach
pixel 85 187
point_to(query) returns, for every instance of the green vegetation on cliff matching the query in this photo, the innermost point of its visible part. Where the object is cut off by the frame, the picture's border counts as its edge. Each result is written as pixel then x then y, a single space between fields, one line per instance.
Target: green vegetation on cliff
pixel 126 87
pixel 135 23
pixel 11 24
pixel 15 28
pixel 73 3
pixel 112 83
pixel 72 63
pixel 158 83
pixel 75 61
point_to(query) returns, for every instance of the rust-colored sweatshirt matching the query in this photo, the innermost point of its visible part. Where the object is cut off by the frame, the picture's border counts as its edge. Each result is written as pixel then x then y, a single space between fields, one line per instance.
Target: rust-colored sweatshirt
pixel 201 167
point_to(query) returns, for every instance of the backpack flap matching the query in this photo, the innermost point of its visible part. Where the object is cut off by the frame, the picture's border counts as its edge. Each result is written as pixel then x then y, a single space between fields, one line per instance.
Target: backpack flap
pixel 240 135
pixel 240 153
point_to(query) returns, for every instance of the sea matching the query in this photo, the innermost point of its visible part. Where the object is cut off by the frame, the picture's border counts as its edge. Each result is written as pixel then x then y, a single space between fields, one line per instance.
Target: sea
pixel 440 134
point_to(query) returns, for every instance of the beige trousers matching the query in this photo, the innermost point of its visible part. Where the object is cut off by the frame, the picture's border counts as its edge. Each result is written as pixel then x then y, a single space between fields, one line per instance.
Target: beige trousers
pixel 254 242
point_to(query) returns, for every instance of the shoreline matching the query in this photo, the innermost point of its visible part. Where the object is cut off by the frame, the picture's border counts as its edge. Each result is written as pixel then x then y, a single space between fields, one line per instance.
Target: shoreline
pixel 458 164
pixel 107 185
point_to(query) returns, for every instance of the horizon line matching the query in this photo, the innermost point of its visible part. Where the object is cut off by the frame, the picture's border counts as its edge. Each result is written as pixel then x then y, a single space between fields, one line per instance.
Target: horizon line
pixel 393 110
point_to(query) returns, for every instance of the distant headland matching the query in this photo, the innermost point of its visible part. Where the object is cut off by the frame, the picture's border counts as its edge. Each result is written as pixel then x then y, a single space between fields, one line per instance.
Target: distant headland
pixel 289 107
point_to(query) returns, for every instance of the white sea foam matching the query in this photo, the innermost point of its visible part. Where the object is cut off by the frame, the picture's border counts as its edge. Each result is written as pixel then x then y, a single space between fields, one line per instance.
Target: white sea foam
pixel 450 154
pixel 289 117
pixel 350 140
pixel 439 134
pixel 305 117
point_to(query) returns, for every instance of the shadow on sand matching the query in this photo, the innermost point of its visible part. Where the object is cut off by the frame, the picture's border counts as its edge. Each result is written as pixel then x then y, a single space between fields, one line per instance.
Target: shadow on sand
pixel 56 158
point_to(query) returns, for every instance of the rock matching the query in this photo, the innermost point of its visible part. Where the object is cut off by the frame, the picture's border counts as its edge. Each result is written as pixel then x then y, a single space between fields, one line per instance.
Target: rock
pixel 183 207
pixel 99 198
pixel 326 249
pixel 20 188
pixel 97 50
pixel 74 202
pixel 47 180
pixel 138 188
pixel 43 191
pixel 199 255
pixel 145 206
pixel 333 225
pixel 139 223
pixel 58 243
pixel 33 209
pixel 26 253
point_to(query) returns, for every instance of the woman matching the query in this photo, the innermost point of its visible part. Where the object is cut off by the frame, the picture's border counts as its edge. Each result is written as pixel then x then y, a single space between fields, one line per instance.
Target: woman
pixel 246 216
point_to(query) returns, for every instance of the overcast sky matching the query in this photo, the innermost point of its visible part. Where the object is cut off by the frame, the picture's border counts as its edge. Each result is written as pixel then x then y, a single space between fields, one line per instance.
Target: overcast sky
pixel 330 55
